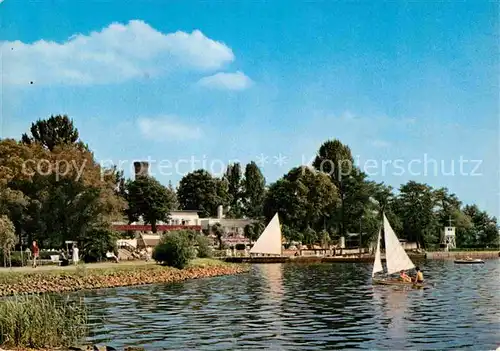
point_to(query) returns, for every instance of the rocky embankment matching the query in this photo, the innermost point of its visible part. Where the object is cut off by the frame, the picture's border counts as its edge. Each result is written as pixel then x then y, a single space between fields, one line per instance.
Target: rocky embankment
pixel 34 283
pixel 83 348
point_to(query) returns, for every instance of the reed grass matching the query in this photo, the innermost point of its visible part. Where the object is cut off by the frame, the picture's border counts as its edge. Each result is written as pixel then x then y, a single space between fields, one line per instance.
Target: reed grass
pixel 41 321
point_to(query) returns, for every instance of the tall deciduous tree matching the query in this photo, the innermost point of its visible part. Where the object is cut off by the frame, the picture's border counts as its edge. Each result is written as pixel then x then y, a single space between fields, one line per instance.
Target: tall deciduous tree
pixel 415 205
pixel 254 186
pixel 175 204
pixel 335 159
pixel 200 191
pixel 65 193
pixel 150 199
pixel 484 231
pixel 304 199
pixel 233 177
pixel 51 132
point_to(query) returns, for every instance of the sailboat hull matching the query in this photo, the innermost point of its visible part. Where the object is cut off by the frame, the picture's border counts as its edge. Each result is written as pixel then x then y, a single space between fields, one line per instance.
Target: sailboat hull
pixel 397 283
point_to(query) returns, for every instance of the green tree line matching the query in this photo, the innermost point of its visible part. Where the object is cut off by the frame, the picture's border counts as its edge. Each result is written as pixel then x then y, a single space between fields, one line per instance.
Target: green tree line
pixel 52 190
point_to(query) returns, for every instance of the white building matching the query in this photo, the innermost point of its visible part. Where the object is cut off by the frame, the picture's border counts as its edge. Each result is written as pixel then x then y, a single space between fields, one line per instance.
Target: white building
pixel 184 217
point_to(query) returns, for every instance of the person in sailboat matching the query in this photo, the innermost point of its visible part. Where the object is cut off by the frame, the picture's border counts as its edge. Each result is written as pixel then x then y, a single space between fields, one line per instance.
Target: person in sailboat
pixel 419 276
pixel 404 277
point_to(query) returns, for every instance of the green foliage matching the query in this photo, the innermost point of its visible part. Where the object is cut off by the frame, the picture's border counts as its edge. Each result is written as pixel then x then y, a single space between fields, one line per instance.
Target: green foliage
pixel 149 199
pixel 415 205
pixel 218 231
pixel 97 243
pixel 175 249
pixel 200 191
pixel 41 322
pixel 254 186
pixel 325 239
pixel 484 229
pixel 304 199
pixel 17 259
pixel 51 132
pixel 235 192
pixel 7 238
pixel 203 246
pixel 73 199
pixel 251 232
pixel 335 159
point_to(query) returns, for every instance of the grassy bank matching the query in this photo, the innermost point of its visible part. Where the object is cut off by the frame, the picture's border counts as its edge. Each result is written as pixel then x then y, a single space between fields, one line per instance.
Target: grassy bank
pixel 89 277
pixel 40 322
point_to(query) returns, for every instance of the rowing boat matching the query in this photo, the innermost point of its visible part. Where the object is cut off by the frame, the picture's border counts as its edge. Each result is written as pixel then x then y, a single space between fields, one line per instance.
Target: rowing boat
pixel 470 261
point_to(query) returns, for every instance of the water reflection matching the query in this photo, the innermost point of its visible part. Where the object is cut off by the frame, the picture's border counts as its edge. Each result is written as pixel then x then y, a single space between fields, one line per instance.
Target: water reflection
pixel 305 307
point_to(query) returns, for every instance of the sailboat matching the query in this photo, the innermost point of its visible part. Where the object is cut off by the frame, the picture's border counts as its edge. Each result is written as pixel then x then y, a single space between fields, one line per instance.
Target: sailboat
pixel 396 258
pixel 269 242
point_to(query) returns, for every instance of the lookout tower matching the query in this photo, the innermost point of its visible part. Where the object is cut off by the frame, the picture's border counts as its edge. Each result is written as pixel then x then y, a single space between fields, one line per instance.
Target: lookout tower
pixel 448 239
pixel 141 169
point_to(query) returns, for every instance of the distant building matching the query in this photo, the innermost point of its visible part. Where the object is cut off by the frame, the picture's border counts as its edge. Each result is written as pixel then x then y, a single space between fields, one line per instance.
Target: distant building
pixel 186 219
pixel 234 228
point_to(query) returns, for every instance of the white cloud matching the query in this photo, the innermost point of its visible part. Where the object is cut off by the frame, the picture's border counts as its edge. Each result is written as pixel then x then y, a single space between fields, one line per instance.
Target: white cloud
pixel 116 53
pixel 167 128
pixel 226 81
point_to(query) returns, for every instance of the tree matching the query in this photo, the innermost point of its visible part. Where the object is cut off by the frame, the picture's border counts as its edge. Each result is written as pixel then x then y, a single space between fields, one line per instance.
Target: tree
pixel 149 199
pixel 335 159
pixel 200 191
pixel 7 238
pixel 252 231
pixel 64 199
pixel 175 204
pixel 51 132
pixel 233 178
pixel 448 212
pixel 218 231
pixel 254 186
pixel 484 231
pixel 325 239
pixel 415 205
pixel 304 199
pixel 249 233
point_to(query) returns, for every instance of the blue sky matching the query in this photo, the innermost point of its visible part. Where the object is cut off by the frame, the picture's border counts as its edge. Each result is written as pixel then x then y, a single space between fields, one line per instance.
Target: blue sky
pixel 172 81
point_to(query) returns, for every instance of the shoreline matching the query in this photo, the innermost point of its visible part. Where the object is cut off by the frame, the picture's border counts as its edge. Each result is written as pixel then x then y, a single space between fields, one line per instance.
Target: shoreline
pixel 431 255
pixel 92 278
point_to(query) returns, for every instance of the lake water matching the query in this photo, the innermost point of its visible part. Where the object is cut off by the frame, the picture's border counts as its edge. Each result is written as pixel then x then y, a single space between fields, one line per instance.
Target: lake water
pixel 306 307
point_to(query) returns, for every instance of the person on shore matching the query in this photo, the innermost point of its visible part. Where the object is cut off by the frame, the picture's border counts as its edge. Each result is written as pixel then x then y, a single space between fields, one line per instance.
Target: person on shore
pixel 111 255
pixel 35 251
pixel 76 256
pixel 64 259
pixel 419 277
pixel 404 277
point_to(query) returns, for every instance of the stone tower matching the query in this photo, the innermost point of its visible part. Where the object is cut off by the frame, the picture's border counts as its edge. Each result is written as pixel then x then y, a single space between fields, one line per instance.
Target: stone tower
pixel 141 169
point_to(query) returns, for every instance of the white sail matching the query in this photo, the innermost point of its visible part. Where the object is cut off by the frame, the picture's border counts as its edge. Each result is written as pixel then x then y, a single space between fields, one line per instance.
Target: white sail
pixel 377 264
pixel 269 241
pixel 395 255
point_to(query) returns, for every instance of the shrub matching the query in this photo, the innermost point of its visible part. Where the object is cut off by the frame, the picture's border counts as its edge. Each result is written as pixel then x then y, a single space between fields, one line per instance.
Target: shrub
pixel 204 249
pixel 175 249
pixel 40 322
pixel 15 257
pixel 96 243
